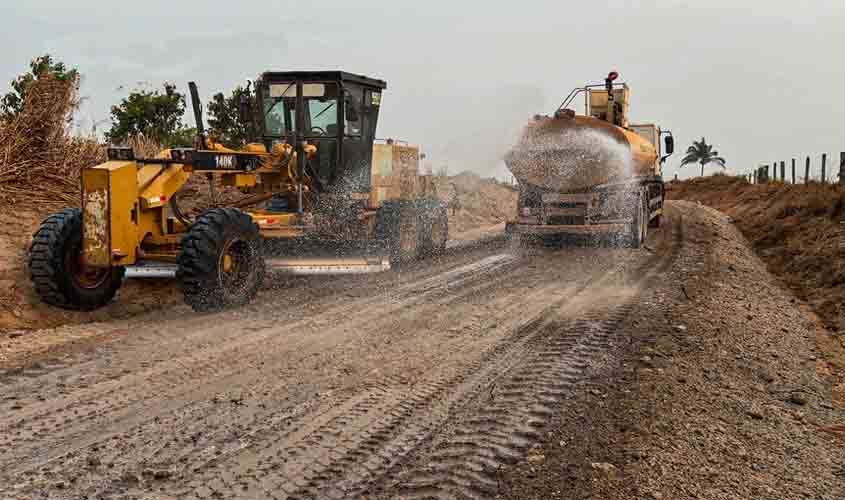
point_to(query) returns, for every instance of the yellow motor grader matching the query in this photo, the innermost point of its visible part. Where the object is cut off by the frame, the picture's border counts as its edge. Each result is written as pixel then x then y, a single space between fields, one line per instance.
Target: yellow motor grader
pixel 316 179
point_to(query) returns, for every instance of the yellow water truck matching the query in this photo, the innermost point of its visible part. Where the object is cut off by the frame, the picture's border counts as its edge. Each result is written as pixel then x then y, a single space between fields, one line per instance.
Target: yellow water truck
pixel 592 173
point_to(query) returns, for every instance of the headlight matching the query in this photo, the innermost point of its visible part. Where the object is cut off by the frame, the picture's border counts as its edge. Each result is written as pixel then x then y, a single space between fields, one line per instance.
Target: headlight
pixel 182 155
pixel 120 153
pixel 526 211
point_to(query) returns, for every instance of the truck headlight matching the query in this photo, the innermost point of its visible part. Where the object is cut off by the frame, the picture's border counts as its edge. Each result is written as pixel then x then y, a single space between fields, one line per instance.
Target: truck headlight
pixel 526 211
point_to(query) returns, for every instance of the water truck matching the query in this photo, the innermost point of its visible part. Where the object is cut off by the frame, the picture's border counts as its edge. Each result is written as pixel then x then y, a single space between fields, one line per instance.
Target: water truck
pixel 592 173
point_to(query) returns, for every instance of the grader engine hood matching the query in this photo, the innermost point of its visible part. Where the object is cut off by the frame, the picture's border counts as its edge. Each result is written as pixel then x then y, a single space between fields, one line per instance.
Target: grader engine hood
pixel 109 200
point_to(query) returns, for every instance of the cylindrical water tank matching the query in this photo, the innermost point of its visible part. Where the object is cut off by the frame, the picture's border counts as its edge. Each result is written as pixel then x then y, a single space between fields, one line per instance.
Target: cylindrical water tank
pixel 570 153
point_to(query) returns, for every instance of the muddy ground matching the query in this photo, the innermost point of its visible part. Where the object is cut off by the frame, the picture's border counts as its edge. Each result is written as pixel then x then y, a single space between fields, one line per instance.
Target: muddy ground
pixel 580 372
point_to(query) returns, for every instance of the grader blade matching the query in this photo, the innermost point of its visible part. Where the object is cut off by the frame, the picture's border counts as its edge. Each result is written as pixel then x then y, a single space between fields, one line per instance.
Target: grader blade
pixel 329 266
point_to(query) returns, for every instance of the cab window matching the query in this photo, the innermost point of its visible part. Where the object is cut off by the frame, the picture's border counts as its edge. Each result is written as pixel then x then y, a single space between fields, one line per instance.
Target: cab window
pixel 323 116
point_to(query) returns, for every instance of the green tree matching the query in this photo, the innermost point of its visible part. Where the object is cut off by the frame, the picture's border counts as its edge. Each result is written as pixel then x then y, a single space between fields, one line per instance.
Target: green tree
pixel 12 103
pixel 703 153
pixel 224 120
pixel 152 114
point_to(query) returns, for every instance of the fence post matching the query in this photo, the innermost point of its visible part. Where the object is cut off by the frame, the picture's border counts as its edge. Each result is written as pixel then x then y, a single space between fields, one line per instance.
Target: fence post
pixel 842 168
pixel 807 171
pixel 793 170
pixel 824 168
pixel 783 171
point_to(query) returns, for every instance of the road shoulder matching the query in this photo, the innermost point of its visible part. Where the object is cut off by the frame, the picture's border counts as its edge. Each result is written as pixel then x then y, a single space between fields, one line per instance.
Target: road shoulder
pixel 717 391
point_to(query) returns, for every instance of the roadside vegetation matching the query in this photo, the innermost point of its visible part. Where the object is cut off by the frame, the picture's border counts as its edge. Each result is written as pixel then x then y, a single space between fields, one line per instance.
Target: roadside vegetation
pixel 702 153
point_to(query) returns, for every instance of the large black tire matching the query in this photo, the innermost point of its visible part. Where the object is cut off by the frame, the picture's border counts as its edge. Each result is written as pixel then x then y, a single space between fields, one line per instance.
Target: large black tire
pixel 432 229
pixel 387 231
pixel 655 222
pixel 398 230
pixel 639 228
pixel 440 230
pixel 55 266
pixel 221 263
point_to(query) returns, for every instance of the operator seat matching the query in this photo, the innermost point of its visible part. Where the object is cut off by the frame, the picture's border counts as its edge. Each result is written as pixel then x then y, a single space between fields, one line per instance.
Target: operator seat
pixel 327 155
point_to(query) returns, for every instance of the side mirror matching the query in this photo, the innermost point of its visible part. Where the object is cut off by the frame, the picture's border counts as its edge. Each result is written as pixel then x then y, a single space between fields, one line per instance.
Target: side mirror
pixel 669 144
pixel 351 111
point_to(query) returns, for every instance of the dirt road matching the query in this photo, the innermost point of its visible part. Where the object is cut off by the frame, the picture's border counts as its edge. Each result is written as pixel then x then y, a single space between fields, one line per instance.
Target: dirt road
pixel 412 385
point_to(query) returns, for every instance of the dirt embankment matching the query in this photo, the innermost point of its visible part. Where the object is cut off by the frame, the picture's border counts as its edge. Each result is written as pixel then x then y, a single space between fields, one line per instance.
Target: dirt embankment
pixel 799 232
pixel 476 203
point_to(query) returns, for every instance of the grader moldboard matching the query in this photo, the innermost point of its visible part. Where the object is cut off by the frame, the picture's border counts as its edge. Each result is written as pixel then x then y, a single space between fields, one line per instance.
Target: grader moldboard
pixel 317 179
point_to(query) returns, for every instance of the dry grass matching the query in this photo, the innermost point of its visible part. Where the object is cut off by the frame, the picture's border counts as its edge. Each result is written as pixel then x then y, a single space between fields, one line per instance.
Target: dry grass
pixel 39 160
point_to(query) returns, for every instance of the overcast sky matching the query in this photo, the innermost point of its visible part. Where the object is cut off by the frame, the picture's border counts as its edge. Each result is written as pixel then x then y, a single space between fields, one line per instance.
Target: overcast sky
pixel 759 78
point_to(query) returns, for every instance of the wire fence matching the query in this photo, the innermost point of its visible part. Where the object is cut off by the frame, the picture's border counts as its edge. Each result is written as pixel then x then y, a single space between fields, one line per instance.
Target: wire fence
pixel 812 169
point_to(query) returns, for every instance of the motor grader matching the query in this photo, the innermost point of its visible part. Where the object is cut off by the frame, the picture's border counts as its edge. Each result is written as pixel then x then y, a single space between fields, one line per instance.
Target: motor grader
pixel 317 178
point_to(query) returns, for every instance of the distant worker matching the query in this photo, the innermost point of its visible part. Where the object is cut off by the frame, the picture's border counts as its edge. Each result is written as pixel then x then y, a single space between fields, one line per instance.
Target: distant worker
pixel 454 200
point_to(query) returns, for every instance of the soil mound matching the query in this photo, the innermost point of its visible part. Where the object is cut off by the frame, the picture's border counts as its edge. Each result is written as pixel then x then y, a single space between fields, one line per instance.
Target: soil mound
pixel 798 230
pixel 476 202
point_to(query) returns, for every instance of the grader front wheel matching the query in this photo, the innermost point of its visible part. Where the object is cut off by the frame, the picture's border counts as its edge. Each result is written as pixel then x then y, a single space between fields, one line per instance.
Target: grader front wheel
pixel 57 271
pixel 221 263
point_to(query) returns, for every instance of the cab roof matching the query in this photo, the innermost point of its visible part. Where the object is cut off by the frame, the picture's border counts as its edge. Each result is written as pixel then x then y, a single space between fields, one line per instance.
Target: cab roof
pixel 342 76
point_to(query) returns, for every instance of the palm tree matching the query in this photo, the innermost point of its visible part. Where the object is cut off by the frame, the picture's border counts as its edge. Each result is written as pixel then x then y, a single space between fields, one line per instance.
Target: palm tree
pixel 701 152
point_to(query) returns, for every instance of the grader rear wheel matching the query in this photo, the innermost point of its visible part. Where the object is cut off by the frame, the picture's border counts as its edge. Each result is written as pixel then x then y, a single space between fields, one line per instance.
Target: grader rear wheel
pixel 56 267
pixel 439 230
pixel 221 262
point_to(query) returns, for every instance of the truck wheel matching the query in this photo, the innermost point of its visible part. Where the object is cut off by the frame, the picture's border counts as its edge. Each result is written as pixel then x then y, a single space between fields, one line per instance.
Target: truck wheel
pixel 221 262
pixel 639 226
pixel 645 219
pixel 655 222
pixel 55 266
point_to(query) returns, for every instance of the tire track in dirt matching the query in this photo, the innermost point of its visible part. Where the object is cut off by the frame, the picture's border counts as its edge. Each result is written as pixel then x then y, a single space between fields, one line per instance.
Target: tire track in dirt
pixel 358 440
pixel 357 447
pixel 115 401
pixel 502 424
pixel 344 443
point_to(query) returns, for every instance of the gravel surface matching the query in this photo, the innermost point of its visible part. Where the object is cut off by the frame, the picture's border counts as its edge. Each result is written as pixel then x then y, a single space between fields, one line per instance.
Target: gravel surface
pixel 716 392
pixel 321 388
pixel 679 370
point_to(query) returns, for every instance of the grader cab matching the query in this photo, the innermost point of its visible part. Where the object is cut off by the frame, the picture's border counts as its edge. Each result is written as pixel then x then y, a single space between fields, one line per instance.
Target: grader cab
pixel 316 177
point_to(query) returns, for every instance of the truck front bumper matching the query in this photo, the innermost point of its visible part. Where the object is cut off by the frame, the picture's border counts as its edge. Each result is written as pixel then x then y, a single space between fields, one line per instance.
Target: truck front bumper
pixel 546 229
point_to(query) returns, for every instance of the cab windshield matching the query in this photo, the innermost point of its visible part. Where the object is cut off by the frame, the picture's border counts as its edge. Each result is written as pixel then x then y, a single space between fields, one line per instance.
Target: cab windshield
pixel 321 109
